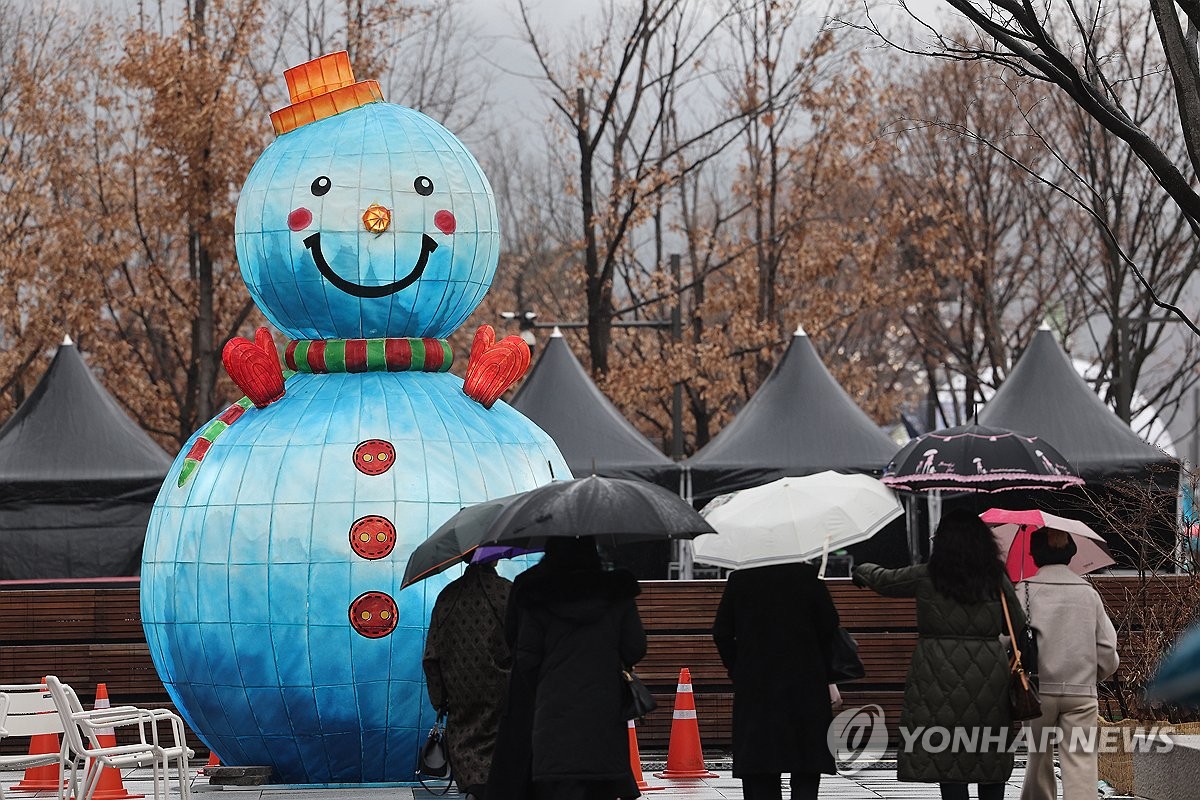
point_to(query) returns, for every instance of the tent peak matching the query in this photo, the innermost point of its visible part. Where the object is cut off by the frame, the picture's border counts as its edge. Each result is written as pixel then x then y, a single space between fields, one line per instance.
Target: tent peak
pixel 66 342
pixel 556 333
pixel 799 331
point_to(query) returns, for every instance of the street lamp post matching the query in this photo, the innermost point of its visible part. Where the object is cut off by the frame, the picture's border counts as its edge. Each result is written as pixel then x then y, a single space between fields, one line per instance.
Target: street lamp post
pixel 525 326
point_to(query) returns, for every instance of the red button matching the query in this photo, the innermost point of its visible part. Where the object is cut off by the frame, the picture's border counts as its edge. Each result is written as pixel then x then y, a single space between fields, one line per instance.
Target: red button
pixel 374 456
pixel 372 536
pixel 373 614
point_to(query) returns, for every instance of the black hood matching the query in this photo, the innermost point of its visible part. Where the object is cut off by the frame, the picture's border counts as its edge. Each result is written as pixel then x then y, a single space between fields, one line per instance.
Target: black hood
pixel 576 595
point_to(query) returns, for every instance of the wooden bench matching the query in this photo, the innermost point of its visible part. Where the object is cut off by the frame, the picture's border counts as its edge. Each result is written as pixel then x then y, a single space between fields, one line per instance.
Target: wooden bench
pixel 678 619
pixel 92 634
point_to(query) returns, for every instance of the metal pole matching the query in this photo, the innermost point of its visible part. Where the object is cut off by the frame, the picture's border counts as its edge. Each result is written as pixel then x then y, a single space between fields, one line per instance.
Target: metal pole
pixel 934 501
pixel 1195 448
pixel 684 549
pixel 912 526
pixel 677 337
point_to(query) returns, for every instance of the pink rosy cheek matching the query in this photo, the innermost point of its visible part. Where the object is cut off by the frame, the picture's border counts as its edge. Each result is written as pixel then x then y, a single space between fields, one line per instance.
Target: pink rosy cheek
pixel 299 219
pixel 445 221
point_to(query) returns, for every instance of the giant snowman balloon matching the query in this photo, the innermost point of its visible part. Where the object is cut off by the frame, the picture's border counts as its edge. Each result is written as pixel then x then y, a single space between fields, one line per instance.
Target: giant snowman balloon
pixel 271 576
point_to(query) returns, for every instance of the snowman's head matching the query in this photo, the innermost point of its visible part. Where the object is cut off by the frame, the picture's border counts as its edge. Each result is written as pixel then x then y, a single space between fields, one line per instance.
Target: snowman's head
pixel 363 219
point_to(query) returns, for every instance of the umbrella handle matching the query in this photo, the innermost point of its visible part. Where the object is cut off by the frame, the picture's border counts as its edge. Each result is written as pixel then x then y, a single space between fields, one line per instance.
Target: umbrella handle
pixel 824 558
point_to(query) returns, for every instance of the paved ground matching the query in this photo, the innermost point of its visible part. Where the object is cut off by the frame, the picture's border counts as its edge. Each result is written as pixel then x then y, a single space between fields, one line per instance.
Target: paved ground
pixel 874 784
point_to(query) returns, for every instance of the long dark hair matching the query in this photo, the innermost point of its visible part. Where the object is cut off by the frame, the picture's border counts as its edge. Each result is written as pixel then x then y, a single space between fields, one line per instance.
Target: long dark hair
pixel 965 563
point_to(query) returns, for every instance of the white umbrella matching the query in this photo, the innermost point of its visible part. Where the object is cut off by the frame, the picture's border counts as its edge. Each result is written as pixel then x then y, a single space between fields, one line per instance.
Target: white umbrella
pixel 794 519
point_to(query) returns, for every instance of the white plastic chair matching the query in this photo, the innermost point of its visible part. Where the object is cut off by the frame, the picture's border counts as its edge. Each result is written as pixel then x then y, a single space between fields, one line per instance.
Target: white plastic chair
pixel 82 729
pixel 29 710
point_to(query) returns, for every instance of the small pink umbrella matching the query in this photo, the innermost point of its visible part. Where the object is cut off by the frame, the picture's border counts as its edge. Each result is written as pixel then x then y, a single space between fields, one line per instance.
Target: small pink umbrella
pixel 1013 528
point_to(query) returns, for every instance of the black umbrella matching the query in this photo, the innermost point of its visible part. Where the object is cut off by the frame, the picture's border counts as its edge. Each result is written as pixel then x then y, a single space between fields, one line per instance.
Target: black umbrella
pixel 972 458
pixel 611 510
pixel 454 541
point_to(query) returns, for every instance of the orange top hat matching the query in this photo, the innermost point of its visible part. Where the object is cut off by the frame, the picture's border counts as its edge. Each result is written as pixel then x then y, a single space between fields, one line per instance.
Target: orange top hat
pixel 321 88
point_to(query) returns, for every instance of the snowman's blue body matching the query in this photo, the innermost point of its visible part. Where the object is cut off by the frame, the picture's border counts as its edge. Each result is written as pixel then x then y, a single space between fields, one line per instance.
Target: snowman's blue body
pixel 248 575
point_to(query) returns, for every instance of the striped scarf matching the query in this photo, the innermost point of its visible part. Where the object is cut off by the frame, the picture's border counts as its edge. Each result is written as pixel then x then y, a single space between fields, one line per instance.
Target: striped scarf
pixel 326 356
pixel 368 355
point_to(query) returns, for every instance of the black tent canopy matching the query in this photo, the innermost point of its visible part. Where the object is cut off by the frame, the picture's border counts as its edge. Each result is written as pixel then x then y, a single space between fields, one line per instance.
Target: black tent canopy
pixel 799 422
pixel 77 479
pixel 1045 396
pixel 593 436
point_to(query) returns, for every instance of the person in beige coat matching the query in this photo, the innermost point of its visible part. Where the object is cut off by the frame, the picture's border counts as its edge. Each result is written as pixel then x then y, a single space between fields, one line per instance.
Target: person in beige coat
pixel 1077 648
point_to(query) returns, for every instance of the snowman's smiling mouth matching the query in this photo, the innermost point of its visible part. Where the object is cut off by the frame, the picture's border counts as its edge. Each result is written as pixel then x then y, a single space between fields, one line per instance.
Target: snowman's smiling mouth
pixel 313 244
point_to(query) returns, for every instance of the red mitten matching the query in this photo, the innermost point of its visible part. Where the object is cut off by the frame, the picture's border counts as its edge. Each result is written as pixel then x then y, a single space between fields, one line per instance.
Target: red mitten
pixel 254 367
pixel 485 337
pixel 494 366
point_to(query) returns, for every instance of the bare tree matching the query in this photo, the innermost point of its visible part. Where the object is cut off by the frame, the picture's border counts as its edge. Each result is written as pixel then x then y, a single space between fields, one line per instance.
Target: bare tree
pixel 1071 45
pixel 1117 248
pixel 1131 221
pixel 424 54
pixel 614 97
pixel 172 140
pixel 995 279
pixel 829 261
pixel 42 294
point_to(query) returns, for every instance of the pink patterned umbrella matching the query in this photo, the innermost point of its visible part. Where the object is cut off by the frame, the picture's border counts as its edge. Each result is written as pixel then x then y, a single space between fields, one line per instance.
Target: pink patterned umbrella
pixel 1012 530
pixel 974 458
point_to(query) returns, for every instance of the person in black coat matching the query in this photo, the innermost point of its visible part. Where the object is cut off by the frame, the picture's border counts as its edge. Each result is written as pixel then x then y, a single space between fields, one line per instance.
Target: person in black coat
pixel 573 627
pixel 774 629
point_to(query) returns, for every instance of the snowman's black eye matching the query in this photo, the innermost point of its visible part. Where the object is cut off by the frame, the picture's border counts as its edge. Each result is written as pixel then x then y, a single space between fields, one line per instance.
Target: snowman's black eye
pixel 320 186
pixel 423 185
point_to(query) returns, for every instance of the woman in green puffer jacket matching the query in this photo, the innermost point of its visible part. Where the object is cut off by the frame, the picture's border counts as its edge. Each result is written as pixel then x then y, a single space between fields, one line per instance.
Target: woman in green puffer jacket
pixel 959 676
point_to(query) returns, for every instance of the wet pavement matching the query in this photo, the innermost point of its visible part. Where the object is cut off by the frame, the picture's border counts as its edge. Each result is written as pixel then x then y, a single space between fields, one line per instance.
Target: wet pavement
pixel 870 784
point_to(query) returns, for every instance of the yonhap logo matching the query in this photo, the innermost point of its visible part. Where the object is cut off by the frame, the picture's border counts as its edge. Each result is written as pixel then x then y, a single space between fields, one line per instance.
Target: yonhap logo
pixel 858 738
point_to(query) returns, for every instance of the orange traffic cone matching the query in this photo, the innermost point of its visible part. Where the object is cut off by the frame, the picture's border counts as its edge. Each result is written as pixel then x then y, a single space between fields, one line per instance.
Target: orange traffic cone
pixel 635 762
pixel 41 778
pixel 110 786
pixel 213 761
pixel 685 757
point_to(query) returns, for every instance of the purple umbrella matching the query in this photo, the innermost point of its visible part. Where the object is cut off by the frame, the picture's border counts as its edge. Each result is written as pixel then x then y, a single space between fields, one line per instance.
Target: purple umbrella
pixel 494 552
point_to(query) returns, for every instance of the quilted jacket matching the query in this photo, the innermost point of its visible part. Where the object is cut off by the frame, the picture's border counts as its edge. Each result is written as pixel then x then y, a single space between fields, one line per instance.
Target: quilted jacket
pixel 958 680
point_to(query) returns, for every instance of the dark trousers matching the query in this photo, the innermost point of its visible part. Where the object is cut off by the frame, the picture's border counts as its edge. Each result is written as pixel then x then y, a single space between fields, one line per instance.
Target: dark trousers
pixel 768 787
pixel 958 791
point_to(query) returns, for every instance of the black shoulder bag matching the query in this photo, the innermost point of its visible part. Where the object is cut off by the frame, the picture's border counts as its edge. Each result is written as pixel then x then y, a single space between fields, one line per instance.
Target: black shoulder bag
pixel 433 759
pixel 637 701
pixel 844 663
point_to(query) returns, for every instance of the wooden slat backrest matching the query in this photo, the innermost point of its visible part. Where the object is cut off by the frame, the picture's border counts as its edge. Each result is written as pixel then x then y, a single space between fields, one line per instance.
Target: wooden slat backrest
pixel 673 607
pixel 69 615
pixel 31 710
pixel 125 668
pixel 885 656
pixel 92 635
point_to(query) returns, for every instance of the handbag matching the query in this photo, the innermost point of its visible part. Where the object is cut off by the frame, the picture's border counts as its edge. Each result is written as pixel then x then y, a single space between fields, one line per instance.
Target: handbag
pixel 1023 700
pixel 637 701
pixel 844 663
pixel 433 759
